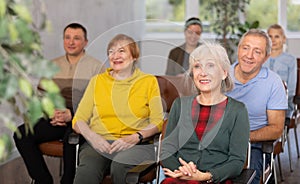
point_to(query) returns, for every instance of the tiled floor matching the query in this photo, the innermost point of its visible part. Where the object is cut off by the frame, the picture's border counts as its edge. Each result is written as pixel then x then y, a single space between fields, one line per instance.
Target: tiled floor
pixel 14 171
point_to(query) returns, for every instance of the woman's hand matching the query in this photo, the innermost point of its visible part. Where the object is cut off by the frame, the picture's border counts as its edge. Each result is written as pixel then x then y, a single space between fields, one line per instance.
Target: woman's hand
pixel 173 174
pixel 124 143
pixel 99 143
pixel 95 140
pixel 61 117
pixel 187 171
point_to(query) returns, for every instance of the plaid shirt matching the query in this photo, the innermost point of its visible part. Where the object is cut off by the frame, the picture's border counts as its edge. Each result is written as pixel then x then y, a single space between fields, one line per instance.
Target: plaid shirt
pixel 202 114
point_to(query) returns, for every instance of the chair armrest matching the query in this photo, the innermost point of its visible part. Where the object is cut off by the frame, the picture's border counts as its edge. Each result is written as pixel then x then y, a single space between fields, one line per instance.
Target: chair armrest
pixel 268 146
pixel 73 138
pixel 245 177
pixel 134 174
pixel 297 99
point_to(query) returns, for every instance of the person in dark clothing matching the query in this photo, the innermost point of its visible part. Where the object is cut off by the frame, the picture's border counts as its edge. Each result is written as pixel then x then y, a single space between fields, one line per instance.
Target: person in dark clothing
pixel 76 68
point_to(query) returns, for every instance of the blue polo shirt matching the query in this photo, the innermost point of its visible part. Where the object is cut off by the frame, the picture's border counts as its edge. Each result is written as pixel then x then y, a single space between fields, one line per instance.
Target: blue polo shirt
pixel 262 93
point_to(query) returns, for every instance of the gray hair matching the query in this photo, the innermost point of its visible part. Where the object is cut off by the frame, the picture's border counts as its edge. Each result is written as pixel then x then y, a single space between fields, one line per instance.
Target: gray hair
pixel 218 52
pixel 259 33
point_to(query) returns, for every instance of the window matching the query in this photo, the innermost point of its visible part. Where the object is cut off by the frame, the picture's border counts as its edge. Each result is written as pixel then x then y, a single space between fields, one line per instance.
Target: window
pixel 293 16
pixel 165 15
pixel 168 16
pixel 265 11
pixel 284 12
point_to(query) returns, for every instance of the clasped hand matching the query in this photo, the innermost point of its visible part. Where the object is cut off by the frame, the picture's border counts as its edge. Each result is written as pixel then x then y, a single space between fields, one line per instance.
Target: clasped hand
pixel 61 117
pixel 187 171
pixel 121 144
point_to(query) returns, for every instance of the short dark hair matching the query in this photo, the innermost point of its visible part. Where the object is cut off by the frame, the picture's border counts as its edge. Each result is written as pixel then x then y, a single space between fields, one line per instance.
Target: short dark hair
pixel 193 21
pixel 77 26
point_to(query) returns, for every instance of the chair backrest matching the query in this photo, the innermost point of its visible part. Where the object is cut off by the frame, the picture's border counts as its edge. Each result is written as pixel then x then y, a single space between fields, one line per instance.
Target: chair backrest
pixel 172 87
pixel 168 92
pixel 297 95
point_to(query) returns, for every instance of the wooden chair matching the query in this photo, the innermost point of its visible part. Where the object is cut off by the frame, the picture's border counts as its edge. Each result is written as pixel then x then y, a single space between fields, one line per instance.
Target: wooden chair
pixel 53 149
pixel 295 119
pixel 280 143
pixel 296 115
pixel 269 168
pixel 275 148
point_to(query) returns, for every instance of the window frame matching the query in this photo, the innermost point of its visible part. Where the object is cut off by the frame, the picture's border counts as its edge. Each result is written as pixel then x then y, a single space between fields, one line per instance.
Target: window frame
pixel 191 9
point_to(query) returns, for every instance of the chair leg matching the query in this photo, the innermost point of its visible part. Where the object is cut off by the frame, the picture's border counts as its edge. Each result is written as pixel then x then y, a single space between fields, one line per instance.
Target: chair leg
pixel 264 168
pixel 289 151
pixel 60 166
pixel 157 174
pixel 279 167
pixel 296 140
pixel 273 169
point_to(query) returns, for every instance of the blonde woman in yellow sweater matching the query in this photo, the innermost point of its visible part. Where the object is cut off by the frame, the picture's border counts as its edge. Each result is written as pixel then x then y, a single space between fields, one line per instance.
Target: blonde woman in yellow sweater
pixel 120 109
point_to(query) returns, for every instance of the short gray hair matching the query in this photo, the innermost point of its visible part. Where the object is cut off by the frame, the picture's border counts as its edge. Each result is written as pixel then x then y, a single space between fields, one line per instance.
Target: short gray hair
pixel 218 52
pixel 259 33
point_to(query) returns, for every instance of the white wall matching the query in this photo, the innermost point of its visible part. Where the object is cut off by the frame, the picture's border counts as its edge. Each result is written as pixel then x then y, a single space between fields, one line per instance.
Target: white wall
pixel 104 19
pixel 155 54
pixel 293 46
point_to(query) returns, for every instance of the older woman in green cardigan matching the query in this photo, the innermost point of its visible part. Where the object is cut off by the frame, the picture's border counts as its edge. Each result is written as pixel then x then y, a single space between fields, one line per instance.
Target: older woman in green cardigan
pixel 207 135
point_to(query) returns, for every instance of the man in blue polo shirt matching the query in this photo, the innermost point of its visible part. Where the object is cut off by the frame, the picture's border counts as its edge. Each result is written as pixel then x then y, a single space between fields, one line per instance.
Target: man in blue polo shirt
pixel 261 90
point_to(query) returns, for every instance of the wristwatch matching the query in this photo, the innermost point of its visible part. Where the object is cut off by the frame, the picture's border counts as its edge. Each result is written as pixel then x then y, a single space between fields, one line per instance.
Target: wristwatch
pixel 140 137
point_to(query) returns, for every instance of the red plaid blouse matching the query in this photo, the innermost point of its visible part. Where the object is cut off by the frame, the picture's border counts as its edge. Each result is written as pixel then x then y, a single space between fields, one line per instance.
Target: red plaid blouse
pixel 201 114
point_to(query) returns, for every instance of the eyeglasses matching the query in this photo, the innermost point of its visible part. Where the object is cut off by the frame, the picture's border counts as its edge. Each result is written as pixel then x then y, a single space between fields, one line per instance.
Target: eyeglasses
pixel 190 32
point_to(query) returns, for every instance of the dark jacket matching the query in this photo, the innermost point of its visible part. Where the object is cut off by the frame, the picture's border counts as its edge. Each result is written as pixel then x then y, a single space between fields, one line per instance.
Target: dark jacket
pixel 175 60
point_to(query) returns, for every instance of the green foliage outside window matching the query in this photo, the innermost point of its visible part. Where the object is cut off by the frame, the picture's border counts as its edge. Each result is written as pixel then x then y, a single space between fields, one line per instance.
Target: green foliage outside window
pixel 21 64
pixel 224 19
pixel 293 17
pixel 266 11
pixel 161 10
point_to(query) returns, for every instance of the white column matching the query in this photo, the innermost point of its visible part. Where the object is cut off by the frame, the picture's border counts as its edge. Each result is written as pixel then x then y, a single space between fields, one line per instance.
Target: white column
pixel 282 13
pixel 191 8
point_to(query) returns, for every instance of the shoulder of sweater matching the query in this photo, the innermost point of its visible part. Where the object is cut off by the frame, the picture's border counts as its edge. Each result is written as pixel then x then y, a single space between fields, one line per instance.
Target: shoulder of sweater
pixel 235 102
pixel 185 99
pixel 59 58
pixel 141 74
